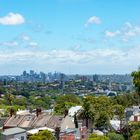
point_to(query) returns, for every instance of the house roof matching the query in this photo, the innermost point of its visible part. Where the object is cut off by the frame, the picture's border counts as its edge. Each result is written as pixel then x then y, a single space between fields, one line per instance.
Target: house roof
pixel 30 121
pixel 2 121
pixel 54 121
pixel 12 131
pixel 67 123
pixel 14 121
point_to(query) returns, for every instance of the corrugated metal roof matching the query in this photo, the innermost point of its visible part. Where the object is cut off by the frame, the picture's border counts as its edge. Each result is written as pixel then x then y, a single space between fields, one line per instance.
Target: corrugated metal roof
pixel 12 131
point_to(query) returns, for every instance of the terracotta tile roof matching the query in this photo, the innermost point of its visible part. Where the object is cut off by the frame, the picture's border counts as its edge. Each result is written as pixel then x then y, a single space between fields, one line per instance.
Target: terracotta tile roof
pixel 29 121
pixel 14 120
pixel 41 120
pixel 54 121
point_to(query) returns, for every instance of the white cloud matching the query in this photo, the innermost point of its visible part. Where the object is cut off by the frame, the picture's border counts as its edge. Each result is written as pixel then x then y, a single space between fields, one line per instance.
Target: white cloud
pixel 130 31
pixel 12 19
pixel 25 38
pixel 112 34
pixel 33 44
pixel 22 41
pixel 27 41
pixel 9 44
pixel 115 59
pixel 126 32
pixel 93 20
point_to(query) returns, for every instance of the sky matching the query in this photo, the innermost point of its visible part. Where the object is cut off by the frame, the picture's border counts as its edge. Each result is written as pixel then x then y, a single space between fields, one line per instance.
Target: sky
pixel 70 36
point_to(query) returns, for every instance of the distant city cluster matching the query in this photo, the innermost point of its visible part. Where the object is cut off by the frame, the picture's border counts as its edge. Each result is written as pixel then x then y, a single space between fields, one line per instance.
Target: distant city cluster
pixel 77 84
pixel 33 76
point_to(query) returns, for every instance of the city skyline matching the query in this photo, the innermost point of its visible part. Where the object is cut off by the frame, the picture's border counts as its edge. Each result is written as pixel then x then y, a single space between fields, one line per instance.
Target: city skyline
pixel 69 36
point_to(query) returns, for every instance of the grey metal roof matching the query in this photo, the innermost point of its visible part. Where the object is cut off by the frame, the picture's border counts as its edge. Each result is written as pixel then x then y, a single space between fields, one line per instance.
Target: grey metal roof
pixel 12 131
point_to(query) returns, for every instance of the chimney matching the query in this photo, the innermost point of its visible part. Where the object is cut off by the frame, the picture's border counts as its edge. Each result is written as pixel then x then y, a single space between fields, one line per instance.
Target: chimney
pixel 57 132
pixel 38 111
pixel 66 113
pixel 75 121
pixel 11 112
pixel 135 118
pixel 83 133
pixel 80 123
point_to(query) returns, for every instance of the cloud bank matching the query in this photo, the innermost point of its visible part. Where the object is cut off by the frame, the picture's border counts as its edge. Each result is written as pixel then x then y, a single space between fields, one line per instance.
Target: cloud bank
pixel 12 19
pixel 97 60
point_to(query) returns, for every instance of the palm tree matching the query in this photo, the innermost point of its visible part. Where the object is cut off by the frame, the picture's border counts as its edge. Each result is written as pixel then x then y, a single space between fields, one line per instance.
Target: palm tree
pixel 88 112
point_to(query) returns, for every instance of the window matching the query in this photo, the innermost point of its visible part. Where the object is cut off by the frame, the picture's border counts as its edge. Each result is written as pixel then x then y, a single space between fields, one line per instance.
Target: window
pixel 22 137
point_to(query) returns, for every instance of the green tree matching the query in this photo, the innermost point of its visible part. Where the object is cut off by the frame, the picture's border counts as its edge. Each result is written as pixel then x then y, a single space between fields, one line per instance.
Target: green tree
pixel 136 135
pixel 102 121
pixel 88 112
pixel 136 80
pixel 64 102
pixel 43 135
pixel 68 98
pixel 114 136
pixel 119 111
pixel 103 109
pixel 20 101
pixel 60 108
pixel 2 90
pixel 9 98
pixel 97 109
pixel 133 127
pixel 97 137
pixel 103 103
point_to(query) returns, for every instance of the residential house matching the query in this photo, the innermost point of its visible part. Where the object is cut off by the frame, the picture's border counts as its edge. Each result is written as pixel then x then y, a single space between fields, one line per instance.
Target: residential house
pixel 14 134
pixel 39 119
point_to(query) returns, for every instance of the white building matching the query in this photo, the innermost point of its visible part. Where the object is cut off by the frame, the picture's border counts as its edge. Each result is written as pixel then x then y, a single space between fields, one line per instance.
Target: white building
pixel 74 110
pixel 14 134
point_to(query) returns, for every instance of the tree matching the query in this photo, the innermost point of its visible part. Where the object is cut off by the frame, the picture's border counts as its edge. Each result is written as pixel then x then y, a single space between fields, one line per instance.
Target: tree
pixel 97 137
pixel 60 108
pixel 103 103
pixel 120 100
pixel 97 109
pixel 20 101
pixel 9 98
pixel 119 111
pixel 114 136
pixel 136 80
pixel 68 98
pixel 88 112
pixel 65 102
pixel 2 90
pixel 43 135
pixel 136 135
pixel 102 122
pixel 103 109
pixel 133 127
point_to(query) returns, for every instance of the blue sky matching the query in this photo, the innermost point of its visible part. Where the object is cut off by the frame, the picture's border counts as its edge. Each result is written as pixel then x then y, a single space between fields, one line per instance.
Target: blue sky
pixel 71 36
